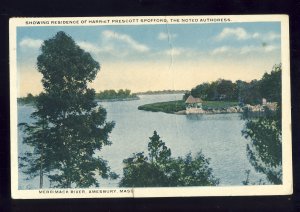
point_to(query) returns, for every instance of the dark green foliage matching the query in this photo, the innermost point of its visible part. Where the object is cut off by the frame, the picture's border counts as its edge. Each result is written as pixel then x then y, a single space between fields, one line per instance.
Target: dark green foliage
pixel 217 90
pixel 244 92
pixel 178 105
pixel 29 99
pixel 159 169
pixel 265 147
pixel 189 171
pixel 73 127
pixel 158 152
pixel 112 94
pixel 186 95
pixel 249 93
pixel 270 85
pixel 36 163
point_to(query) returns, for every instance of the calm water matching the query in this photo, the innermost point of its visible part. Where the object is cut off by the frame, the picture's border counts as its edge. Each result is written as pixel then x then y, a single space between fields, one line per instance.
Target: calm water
pixel 218 136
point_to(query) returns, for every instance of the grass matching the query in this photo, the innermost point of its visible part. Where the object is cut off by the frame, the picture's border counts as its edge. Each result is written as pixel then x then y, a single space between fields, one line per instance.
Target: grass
pixel 218 104
pixel 175 106
pixel 167 107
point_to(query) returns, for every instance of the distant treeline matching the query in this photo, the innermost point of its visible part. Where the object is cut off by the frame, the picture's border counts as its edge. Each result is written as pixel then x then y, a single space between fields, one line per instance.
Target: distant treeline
pixel 268 87
pixel 162 92
pixel 102 95
pixel 29 99
pixel 112 94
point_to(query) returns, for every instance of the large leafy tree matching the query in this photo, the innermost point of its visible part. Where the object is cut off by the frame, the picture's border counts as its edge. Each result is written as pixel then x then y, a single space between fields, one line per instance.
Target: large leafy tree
pixel 159 169
pixel 71 128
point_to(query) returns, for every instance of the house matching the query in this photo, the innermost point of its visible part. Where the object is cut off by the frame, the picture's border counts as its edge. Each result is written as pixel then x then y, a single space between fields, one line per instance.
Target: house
pixel 193 105
pixel 270 105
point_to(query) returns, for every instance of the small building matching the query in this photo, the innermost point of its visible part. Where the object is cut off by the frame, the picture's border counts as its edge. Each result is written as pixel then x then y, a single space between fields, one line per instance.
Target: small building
pixel 193 105
pixel 270 105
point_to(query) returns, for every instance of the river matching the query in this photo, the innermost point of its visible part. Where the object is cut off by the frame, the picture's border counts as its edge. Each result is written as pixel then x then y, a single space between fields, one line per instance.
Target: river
pixel 218 136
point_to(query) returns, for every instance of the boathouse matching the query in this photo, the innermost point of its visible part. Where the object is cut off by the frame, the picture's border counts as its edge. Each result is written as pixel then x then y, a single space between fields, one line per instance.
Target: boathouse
pixel 193 105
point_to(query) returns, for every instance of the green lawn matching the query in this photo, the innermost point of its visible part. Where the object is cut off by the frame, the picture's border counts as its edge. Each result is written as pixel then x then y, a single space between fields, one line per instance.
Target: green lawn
pixel 218 104
pixel 175 106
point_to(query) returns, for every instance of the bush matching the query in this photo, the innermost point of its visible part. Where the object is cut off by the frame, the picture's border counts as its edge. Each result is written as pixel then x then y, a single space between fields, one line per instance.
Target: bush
pixel 159 169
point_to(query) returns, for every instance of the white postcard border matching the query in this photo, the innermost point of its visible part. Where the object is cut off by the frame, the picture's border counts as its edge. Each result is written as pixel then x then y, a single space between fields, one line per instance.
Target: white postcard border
pixel 284 189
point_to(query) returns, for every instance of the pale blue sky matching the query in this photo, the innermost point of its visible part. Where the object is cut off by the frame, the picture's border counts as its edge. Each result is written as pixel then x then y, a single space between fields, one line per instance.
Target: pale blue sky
pixel 238 50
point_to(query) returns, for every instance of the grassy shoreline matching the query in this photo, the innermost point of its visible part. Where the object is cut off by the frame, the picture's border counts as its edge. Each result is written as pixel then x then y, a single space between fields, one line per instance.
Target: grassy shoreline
pixel 179 105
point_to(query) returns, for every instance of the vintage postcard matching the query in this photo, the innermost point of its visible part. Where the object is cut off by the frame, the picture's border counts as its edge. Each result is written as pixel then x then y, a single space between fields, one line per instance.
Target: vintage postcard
pixel 160 106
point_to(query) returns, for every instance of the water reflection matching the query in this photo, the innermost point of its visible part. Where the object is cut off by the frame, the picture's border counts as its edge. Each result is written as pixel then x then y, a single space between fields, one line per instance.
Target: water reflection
pixel 218 136
pixel 194 117
pixel 212 117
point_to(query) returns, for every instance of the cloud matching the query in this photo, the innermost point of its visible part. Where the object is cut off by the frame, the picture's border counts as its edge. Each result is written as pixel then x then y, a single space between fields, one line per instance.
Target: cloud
pixel 270 36
pixel 165 36
pixel 270 48
pixel 89 47
pixel 126 39
pixel 257 49
pixel 221 50
pixel 113 44
pixel 226 50
pixel 30 43
pixel 179 53
pixel 238 33
pixel 173 52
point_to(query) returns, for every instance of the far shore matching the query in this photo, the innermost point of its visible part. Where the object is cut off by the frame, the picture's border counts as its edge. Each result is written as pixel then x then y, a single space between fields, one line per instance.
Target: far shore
pixel 31 103
pixel 209 107
pixel 117 99
pixel 159 93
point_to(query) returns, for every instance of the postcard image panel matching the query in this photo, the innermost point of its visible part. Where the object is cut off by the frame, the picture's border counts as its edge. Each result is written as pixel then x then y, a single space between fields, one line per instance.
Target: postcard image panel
pixel 158 106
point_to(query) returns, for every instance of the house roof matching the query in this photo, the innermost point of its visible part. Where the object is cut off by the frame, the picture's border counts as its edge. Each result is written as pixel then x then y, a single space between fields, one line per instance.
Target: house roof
pixel 191 100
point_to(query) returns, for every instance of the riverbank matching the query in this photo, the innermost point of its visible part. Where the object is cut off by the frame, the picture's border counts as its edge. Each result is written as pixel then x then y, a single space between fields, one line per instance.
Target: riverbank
pixel 32 103
pixel 118 99
pixel 178 107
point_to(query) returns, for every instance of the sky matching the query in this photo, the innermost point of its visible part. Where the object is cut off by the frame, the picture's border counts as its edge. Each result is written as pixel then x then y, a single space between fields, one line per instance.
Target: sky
pixel 160 56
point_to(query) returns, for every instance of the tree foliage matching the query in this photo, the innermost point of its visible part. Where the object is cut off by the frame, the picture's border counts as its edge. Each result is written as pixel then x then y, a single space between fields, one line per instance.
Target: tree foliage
pixel 159 169
pixel 70 127
pixel 244 92
pixel 112 94
pixel 265 134
pixel 29 99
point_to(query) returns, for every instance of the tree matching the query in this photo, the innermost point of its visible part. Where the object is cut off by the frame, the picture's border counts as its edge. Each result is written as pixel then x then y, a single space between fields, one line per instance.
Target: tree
pixel 34 162
pixel 249 93
pixel 78 128
pixel 265 134
pixel 158 152
pixel 265 149
pixel 159 169
pixel 270 85
pixel 201 90
pixel 227 90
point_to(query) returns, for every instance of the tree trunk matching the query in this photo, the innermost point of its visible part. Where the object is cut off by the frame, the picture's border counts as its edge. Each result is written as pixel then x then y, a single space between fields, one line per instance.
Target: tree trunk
pixel 42 159
pixel 41 175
